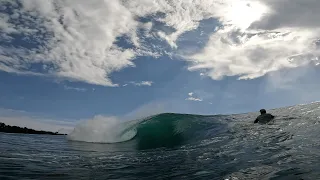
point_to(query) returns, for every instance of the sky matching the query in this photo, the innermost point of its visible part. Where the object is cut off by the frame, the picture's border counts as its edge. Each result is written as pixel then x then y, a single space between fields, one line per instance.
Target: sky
pixel 63 61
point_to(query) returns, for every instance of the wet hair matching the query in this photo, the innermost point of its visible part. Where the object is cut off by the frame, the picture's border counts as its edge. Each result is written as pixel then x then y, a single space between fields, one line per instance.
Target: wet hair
pixel 263 111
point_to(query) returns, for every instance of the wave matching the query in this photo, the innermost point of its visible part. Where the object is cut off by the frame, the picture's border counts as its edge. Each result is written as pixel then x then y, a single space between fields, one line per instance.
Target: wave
pixel 163 130
pixel 174 130
pixel 102 129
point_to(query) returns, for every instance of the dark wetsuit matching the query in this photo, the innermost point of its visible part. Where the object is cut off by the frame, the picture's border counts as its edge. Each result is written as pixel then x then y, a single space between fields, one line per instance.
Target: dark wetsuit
pixel 264 118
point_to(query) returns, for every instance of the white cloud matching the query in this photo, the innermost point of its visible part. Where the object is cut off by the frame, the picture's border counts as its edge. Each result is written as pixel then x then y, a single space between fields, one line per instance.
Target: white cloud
pixel 182 15
pixel 142 83
pixel 75 88
pixel 77 40
pixel 192 98
pixel 249 55
pixel 290 13
pixel 273 39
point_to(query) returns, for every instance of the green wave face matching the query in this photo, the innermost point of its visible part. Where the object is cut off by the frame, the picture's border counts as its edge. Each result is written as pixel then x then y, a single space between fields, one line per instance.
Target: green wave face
pixel 171 130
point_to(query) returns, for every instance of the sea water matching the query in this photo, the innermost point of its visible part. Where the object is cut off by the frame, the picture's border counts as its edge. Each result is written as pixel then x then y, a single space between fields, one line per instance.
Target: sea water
pixel 173 146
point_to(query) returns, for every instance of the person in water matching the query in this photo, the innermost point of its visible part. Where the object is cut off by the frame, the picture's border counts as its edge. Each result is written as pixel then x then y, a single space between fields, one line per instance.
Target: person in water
pixel 264 117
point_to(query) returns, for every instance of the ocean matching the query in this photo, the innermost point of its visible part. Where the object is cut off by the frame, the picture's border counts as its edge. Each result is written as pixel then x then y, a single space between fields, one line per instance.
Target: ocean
pixel 173 146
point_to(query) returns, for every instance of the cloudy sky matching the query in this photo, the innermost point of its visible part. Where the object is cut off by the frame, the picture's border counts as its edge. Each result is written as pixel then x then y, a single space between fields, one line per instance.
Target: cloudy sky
pixel 63 61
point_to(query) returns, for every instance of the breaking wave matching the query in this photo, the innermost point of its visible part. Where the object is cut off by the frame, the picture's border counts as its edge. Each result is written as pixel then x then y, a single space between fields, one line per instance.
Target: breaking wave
pixel 177 130
pixel 163 130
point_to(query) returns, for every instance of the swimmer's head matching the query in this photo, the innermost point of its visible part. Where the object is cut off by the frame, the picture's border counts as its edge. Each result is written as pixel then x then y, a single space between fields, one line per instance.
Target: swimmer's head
pixel 263 111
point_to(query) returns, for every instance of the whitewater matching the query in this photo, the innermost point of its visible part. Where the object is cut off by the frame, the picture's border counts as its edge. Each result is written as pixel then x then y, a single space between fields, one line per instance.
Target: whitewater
pixel 173 146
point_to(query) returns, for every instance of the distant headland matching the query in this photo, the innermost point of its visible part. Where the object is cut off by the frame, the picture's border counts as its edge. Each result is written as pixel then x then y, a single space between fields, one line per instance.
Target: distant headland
pixel 15 129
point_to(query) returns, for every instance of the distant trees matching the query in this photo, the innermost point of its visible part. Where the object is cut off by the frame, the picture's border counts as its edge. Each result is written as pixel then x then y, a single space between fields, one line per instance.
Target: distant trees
pixel 16 129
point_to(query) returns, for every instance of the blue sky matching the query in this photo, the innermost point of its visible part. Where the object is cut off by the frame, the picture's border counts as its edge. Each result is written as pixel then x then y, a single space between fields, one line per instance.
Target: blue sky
pixel 62 62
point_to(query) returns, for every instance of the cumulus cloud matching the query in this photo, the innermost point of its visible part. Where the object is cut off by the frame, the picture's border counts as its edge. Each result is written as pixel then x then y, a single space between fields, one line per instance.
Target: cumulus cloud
pixel 230 52
pixel 77 40
pixel 75 88
pixel 80 40
pixel 192 98
pixel 280 35
pixel 142 83
pixel 290 13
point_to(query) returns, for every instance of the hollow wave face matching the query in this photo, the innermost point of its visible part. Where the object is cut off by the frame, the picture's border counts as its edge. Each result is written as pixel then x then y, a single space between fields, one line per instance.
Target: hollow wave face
pixel 172 130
